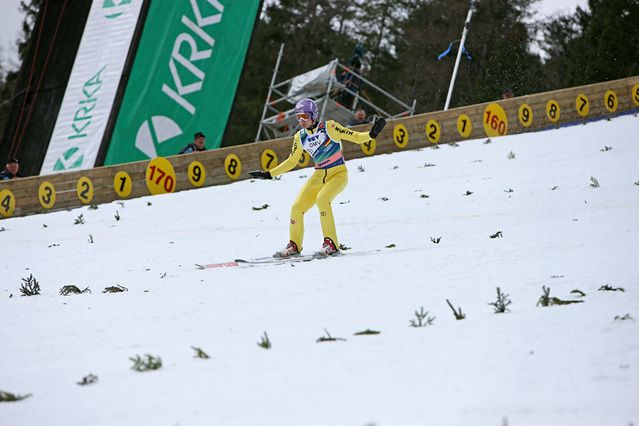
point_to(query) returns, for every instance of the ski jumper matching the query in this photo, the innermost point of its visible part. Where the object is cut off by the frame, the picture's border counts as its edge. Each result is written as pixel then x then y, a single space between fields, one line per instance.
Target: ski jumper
pixel 323 143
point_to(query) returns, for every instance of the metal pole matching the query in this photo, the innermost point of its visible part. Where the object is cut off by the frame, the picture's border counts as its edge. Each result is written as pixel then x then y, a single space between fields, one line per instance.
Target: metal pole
pixel 459 53
pixel 270 90
pixel 328 88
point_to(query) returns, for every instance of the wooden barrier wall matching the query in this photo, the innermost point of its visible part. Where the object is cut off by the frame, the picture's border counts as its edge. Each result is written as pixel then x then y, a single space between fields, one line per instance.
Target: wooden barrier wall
pixel 40 194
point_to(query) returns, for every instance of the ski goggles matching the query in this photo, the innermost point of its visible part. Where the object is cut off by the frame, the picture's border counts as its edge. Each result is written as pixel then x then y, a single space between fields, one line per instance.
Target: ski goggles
pixel 303 116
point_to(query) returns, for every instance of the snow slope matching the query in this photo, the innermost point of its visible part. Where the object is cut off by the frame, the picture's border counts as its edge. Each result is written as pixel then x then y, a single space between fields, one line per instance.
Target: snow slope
pixel 558 365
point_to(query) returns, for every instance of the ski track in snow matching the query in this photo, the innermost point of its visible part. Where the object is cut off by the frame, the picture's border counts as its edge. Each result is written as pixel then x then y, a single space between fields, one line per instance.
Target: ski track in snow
pixel 557 365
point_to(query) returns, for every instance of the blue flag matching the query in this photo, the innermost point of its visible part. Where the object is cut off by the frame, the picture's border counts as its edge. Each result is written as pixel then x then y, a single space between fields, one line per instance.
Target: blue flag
pixel 448 51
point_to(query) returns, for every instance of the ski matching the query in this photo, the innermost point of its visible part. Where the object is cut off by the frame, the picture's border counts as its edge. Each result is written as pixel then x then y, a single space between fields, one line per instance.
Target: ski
pixel 260 261
pixel 275 260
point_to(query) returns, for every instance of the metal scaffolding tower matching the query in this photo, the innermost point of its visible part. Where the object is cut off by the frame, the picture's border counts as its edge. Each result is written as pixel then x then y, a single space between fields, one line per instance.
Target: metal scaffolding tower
pixel 327 86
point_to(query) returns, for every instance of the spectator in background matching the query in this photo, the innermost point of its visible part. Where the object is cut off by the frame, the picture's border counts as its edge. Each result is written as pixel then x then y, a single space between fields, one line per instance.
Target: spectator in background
pixel 351 85
pixel 196 145
pixel 508 94
pixel 359 118
pixel 11 171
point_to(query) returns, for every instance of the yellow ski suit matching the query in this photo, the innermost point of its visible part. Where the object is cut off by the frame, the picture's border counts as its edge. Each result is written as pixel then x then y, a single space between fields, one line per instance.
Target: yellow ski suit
pixel 323 143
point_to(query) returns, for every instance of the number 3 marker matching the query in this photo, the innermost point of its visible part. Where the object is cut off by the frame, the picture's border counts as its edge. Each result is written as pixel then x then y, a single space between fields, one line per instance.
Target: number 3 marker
pixel 400 135
pixel 46 195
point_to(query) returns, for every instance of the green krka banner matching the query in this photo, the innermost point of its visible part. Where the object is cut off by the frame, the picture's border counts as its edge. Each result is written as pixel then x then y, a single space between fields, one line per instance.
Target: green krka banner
pixel 184 77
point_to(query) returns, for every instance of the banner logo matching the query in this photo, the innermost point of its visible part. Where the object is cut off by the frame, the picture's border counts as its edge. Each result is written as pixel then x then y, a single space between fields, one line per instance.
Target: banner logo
pixel 69 160
pixel 108 4
pixel 194 73
pixel 155 131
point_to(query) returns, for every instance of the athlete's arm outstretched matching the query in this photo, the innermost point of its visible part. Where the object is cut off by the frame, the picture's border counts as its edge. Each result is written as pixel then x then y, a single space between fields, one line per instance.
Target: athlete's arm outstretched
pixel 292 160
pixel 338 132
pixel 286 165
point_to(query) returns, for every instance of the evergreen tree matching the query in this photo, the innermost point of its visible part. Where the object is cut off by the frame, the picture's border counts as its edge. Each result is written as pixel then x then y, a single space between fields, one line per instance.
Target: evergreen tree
pixel 314 33
pixel 8 77
pixel 596 45
pixel 497 41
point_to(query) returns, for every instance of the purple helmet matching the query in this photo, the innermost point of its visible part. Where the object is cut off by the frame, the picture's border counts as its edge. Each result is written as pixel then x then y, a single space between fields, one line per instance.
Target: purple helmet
pixel 307 106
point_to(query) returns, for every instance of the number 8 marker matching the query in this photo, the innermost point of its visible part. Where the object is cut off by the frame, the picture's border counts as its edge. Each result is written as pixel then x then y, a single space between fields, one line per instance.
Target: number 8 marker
pixel 233 166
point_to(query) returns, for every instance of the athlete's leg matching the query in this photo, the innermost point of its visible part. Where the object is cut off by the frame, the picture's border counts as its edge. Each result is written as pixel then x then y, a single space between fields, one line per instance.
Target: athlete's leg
pixel 336 180
pixel 304 202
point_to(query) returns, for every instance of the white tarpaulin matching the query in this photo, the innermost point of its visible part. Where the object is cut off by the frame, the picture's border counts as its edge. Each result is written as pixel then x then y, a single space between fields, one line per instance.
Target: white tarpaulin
pixel 312 83
pixel 92 86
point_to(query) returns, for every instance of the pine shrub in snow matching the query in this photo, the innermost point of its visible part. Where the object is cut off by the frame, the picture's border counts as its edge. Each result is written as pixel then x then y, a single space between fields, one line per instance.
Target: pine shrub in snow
pixel 199 353
pixel 458 315
pixel 422 319
pixel 146 363
pixel 546 300
pixel 30 286
pixel 71 289
pixel 265 342
pixel 115 289
pixel 88 380
pixel 9 397
pixel 329 338
pixel 502 302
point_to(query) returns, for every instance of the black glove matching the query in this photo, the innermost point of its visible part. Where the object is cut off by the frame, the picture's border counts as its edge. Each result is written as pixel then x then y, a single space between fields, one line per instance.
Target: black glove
pixel 261 175
pixel 377 127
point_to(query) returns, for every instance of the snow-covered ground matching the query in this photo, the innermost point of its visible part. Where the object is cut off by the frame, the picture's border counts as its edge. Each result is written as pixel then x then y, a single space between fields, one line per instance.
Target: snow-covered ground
pixel 558 365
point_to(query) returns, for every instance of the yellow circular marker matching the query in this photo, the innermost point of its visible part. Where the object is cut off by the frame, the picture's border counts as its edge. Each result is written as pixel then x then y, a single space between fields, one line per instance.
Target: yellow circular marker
pixel 197 174
pixel 46 195
pixel 85 190
pixel 122 184
pixel 582 104
pixel 610 99
pixel 552 110
pixel 635 94
pixel 160 176
pixel 433 132
pixel 7 203
pixel 495 120
pixel 233 166
pixel 304 159
pixel 525 115
pixel 269 160
pixel 464 126
pixel 400 135
pixel 369 147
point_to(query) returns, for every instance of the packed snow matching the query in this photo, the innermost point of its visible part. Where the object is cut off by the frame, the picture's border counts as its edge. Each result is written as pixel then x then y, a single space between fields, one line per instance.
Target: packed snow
pixel 520 213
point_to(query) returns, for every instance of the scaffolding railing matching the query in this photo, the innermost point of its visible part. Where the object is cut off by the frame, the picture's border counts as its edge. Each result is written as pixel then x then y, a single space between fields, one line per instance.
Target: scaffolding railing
pixel 328 87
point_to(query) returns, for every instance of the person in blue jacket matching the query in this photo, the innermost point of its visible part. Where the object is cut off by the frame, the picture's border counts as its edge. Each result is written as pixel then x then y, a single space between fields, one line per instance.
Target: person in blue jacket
pixel 195 146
